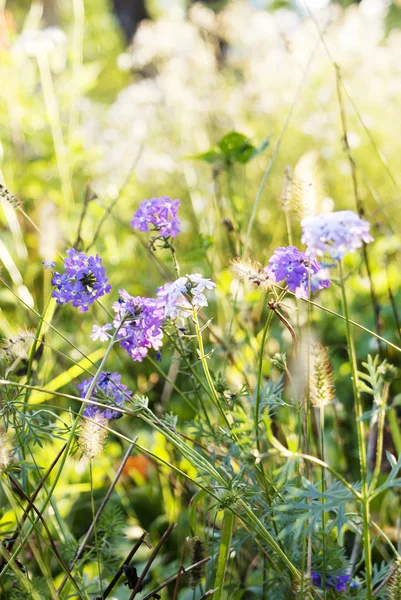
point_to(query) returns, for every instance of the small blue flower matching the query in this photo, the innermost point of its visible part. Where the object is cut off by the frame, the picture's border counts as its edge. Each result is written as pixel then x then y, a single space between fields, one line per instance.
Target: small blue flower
pixel 158 356
pixel 336 581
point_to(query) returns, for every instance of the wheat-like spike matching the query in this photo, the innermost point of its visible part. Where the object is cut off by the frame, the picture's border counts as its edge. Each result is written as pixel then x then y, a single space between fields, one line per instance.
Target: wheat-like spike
pixel 286 192
pixel 302 588
pixel 321 382
pixel 394 585
pixel 250 271
pixel 307 188
pixel 93 436
pixel 5 454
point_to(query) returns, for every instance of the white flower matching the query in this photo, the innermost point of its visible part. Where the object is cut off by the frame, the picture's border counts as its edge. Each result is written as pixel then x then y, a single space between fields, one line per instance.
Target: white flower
pixel 99 333
pixel 180 296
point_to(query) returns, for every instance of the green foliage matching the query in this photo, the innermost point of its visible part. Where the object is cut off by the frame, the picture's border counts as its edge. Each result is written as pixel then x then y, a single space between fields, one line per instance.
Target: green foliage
pixel 232 148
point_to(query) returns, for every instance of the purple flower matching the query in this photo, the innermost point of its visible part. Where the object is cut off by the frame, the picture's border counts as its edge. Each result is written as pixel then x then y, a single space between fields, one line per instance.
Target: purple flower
pixel 108 390
pixel 337 581
pixel 140 321
pixel 158 214
pixel 294 266
pixel 48 264
pixel 338 233
pixel 82 283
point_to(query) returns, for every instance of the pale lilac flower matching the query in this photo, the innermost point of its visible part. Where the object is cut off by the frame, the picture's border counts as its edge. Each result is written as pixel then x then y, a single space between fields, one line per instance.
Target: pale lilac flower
pixel 48 264
pixel 181 296
pixel 296 268
pixel 337 234
pixel 99 333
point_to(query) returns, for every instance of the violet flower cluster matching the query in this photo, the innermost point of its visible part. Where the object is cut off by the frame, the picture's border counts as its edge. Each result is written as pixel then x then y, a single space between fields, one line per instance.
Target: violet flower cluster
pixel 82 283
pixel 290 264
pixel 186 293
pixel 107 390
pixel 140 320
pixel 337 582
pixel 337 234
pixel 140 324
pixel 158 214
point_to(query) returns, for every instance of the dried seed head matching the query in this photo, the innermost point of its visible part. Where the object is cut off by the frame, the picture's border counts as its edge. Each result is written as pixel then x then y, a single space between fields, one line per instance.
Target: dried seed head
pixel 302 587
pixel 93 436
pixel 7 195
pixel 19 346
pixel 197 554
pixel 394 585
pixel 321 382
pixel 250 271
pixel 5 454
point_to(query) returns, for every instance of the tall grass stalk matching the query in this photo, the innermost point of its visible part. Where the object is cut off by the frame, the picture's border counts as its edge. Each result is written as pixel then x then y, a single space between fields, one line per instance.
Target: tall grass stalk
pixel 365 500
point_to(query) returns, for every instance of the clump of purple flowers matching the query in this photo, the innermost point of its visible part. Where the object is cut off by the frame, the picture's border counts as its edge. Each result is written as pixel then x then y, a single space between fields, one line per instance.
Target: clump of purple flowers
pixel 337 582
pixel 337 234
pixel 140 324
pixel 290 264
pixel 181 296
pixel 107 390
pixel 82 283
pixel 158 214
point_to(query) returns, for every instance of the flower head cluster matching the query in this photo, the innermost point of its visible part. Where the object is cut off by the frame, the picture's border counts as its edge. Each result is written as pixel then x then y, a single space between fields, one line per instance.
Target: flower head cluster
pixel 337 582
pixel 48 264
pixel 181 296
pixel 337 234
pixel 294 266
pixel 140 324
pixel 158 214
pixel 82 283
pixel 107 390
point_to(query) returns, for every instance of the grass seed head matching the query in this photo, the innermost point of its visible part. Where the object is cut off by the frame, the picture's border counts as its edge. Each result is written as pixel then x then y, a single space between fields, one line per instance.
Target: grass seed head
pixel 321 381
pixel 93 436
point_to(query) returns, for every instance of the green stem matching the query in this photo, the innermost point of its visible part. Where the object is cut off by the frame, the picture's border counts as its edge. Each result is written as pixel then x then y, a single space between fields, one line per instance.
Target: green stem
pixel 322 453
pixel 395 430
pixel 224 553
pixel 380 433
pixel 365 501
pixel 203 359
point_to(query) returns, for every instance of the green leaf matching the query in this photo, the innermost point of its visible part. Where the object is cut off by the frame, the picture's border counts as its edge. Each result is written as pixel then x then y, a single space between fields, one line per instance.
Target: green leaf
pixel 233 144
pixel 193 505
pixel 231 148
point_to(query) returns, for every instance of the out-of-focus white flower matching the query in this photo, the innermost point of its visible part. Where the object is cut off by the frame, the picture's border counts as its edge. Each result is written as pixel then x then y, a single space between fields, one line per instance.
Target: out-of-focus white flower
pixel 34 41
pixel 51 42
pixel 99 333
